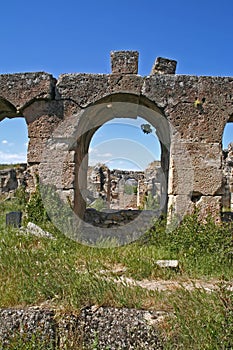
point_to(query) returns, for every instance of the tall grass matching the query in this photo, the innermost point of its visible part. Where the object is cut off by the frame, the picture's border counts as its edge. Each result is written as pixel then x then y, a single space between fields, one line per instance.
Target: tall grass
pixel 67 275
pixel 201 321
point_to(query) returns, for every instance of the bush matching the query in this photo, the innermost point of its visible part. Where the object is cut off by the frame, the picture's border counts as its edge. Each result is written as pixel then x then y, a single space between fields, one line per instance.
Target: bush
pixel 99 204
pixel 21 195
pixel 150 203
pixel 195 238
pixel 35 210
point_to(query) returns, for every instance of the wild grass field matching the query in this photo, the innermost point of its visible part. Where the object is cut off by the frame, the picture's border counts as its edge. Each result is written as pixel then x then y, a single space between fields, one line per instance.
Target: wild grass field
pixel 66 275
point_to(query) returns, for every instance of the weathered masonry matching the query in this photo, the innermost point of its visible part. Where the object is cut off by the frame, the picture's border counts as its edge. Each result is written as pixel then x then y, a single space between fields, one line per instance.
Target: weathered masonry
pixel 188 112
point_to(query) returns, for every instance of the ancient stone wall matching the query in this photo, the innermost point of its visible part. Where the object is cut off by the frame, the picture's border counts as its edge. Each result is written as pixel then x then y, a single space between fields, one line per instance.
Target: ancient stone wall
pixel 11 178
pixel 188 112
pixel 126 328
pixel 123 189
pixel 228 178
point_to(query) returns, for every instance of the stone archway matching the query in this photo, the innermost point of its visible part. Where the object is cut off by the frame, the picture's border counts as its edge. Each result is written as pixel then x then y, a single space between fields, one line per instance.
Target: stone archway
pixel 197 108
pixel 110 107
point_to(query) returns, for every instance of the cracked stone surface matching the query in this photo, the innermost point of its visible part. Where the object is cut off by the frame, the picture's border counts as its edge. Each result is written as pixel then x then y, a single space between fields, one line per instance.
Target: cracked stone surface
pixel 72 104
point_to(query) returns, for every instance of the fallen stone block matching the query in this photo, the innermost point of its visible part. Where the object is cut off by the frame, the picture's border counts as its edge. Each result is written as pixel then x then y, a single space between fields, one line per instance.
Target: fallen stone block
pixel 168 263
pixel 37 231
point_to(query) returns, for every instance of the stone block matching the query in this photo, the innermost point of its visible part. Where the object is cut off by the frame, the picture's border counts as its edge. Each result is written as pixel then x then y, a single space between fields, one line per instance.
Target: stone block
pixel 197 154
pixel 36 147
pixel 195 167
pixel 62 176
pixel 216 90
pixel 180 181
pixel 40 108
pixel 210 205
pixel 37 231
pixel 124 110
pixel 130 84
pixel 207 181
pixel 124 62
pixel 170 90
pixel 178 207
pixel 50 150
pixel 21 88
pixel 43 127
pixel 67 196
pixel 68 175
pixel 195 126
pixel 58 150
pixel 7 110
pixel 168 263
pixel 70 129
pixel 69 109
pixel 27 324
pixel 164 66
pixel 83 89
pixel 14 218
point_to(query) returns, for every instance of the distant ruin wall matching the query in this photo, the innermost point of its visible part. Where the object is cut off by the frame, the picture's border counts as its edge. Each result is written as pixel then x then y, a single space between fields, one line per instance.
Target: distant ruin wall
pixel 194 111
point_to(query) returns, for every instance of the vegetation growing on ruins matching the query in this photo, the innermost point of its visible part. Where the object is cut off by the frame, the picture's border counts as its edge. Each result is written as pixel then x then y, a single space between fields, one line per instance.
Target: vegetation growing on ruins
pixel 7 166
pixel 62 273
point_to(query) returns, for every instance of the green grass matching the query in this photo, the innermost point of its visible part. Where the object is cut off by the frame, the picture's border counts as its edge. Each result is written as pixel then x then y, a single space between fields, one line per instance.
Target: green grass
pixel 19 342
pixel 9 166
pixel 201 321
pixel 67 275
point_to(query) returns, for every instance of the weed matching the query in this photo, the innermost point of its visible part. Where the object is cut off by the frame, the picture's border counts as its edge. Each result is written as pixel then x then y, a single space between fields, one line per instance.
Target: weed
pixel 35 210
pixel 23 342
pixel 203 321
pixel 68 275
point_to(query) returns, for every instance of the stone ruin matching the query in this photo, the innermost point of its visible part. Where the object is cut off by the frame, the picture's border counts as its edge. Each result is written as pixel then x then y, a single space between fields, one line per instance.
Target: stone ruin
pixel 189 114
pixel 227 199
pixel 123 189
pixel 11 178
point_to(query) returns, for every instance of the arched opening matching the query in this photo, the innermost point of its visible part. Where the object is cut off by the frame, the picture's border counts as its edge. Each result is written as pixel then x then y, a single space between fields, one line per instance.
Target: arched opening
pixel 124 169
pixel 13 141
pixel 227 143
pixel 108 110
pixel 13 153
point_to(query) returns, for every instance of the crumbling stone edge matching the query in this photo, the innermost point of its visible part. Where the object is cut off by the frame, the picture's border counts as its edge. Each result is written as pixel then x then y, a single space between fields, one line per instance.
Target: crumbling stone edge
pixel 113 328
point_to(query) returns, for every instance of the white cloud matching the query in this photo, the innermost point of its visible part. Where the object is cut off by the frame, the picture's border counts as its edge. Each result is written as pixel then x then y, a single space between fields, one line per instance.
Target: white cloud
pixel 93 150
pixel 9 144
pixel 95 156
pixel 8 158
pixel 105 155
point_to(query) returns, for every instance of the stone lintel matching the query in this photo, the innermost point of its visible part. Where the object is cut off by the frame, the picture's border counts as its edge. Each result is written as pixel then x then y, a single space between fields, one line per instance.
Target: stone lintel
pixel 20 89
pixel 164 66
pixel 124 62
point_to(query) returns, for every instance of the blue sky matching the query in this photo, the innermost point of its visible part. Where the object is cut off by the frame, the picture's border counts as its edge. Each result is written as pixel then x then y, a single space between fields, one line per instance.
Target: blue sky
pixel 77 36
pixel 121 144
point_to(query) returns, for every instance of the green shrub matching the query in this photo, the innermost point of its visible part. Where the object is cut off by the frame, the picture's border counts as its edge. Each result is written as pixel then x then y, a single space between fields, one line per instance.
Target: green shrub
pixel 21 195
pixel 35 210
pixel 150 203
pixel 99 204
